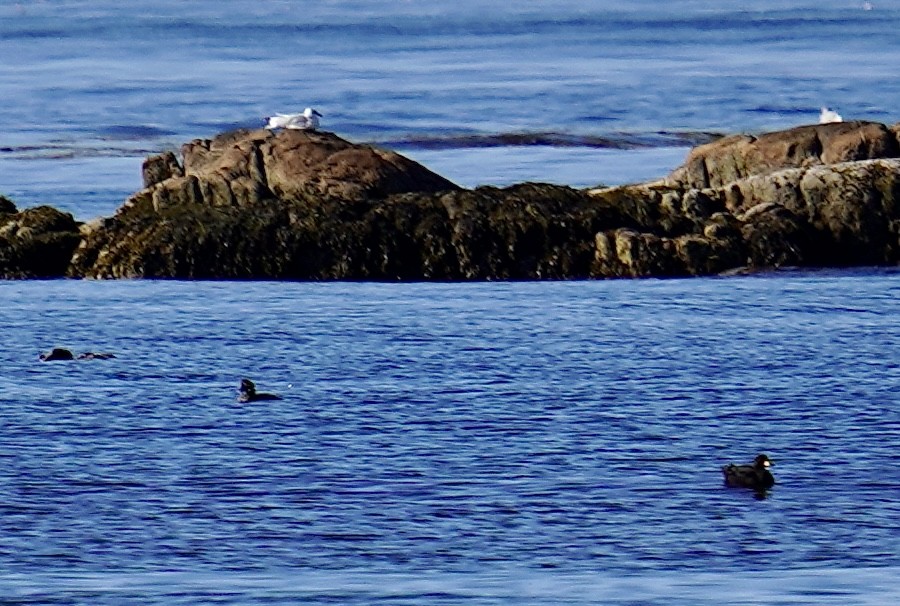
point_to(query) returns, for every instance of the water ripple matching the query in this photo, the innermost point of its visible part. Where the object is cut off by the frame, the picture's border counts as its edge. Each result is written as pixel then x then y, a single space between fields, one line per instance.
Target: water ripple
pixel 573 427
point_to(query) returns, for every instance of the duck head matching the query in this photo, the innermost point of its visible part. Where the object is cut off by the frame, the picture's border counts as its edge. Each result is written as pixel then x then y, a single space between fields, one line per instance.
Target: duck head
pixel 247 387
pixel 762 462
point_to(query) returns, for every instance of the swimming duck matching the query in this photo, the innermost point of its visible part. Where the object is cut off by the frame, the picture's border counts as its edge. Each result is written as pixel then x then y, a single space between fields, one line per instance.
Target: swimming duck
pixel 755 475
pixel 248 393
pixel 57 353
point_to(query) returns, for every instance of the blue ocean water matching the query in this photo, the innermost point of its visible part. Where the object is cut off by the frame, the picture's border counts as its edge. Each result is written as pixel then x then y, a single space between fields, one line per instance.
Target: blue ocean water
pixel 512 443
pixel 90 83
pixel 495 443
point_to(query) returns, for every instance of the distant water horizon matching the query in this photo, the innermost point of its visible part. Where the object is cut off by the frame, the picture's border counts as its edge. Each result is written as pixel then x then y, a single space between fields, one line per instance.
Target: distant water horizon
pixel 546 88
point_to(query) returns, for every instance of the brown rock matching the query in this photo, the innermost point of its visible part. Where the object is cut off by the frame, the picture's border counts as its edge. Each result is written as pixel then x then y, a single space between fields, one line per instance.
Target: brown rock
pixel 158 168
pixel 895 130
pixel 7 206
pixel 856 205
pixel 37 243
pixel 629 253
pixel 776 237
pixel 246 167
pixel 528 231
pixel 309 205
pixel 721 162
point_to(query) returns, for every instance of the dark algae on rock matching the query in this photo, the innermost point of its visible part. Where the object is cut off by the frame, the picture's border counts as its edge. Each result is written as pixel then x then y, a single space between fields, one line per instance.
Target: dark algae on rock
pixel 37 242
pixel 308 205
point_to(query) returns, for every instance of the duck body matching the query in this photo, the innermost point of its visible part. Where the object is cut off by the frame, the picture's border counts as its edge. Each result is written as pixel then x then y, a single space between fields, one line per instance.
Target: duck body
pixel 248 393
pixel 57 353
pixel 96 355
pixel 756 475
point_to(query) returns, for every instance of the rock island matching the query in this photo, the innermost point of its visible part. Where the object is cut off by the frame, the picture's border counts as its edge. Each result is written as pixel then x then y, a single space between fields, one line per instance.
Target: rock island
pixel 308 205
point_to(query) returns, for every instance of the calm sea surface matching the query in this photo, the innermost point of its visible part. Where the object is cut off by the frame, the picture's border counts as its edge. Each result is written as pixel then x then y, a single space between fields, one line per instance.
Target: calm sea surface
pixel 497 443
pixel 511 443
pixel 90 87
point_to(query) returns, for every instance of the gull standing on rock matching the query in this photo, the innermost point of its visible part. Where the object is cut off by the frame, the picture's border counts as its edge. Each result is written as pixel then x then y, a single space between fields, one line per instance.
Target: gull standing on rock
pixel 827 116
pixel 308 120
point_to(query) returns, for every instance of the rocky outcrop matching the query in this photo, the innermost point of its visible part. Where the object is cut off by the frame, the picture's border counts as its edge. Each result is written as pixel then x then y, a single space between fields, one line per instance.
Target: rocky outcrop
pixel 307 205
pixel 838 215
pixel 738 157
pixel 248 168
pixel 823 195
pixel 252 204
pixel 161 167
pixel 36 242
pixel 523 232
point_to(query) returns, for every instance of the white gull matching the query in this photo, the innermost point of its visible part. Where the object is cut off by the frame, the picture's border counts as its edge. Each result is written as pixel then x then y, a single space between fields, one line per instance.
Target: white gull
pixel 308 120
pixel 828 115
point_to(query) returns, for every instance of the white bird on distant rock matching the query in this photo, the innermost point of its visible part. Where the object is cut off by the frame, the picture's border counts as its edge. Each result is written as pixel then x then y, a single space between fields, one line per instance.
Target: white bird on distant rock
pixel 828 116
pixel 308 120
